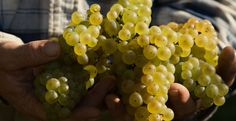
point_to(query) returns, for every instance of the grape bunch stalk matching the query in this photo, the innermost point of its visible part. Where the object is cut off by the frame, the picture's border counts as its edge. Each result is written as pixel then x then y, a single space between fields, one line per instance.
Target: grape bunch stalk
pixel 145 59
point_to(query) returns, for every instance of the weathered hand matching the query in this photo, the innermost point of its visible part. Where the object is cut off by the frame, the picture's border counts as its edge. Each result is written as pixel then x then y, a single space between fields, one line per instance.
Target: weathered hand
pixel 17 65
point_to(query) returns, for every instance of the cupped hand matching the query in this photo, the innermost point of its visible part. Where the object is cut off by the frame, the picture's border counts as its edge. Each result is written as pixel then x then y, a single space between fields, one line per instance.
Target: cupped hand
pixel 179 97
pixel 17 65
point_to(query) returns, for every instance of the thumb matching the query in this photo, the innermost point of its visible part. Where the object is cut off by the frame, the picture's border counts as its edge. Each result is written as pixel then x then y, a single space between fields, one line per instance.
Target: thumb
pixel 36 53
pixel 180 101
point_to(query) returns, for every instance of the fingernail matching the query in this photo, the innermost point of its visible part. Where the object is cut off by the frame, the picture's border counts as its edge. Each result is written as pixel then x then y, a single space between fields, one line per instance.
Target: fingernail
pixel 51 49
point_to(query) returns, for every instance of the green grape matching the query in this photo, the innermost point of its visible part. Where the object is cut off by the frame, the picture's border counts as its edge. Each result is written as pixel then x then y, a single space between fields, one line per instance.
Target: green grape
pixel 211 45
pixel 194 61
pixel 147 97
pixel 77 17
pixel 95 8
pixel 83 59
pixel 80 49
pixel 72 38
pixel 100 39
pixel 186 74
pixel 212 91
pixel 123 46
pixel 154 30
pixel 150 52
pixel 89 83
pixel 132 7
pixel 109 46
pixel 67 30
pixel 171 46
pixel 143 40
pixel 185 53
pixel 130 26
pixel 186 41
pixel 93 42
pixel 201 40
pixel 96 18
pixel 124 34
pixel 85 37
pixel 80 28
pixel 128 57
pixel 109 25
pixel 170 68
pixel 206 102
pixel 161 99
pixel 164 53
pixel 168 114
pixel 144 11
pixel 155 117
pixel 92 70
pixel 52 84
pixel 155 107
pixel 147 2
pixel 161 68
pixel 63 89
pixel 199 91
pixel 152 88
pixel 159 77
pixel 141 114
pixel 172 36
pixel 174 59
pixel 63 99
pixel 124 3
pixel 187 66
pixel 204 80
pixel 135 99
pixel 170 77
pixel 160 40
pixel 94 31
pixel 149 68
pixel 117 7
pixel 147 79
pixel 219 101
pixel 223 89
pixel 141 28
pixel 189 84
pixel 112 15
pixel 129 16
pixel 51 96
pixel 145 19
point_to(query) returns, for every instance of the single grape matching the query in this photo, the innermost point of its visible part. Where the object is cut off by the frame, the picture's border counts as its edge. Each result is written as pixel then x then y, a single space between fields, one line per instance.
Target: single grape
pixel 52 84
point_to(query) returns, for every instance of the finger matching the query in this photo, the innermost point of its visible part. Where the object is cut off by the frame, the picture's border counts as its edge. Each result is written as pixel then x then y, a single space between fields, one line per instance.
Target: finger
pixel 85 114
pixel 227 65
pixel 97 94
pixel 180 101
pixel 31 54
pixel 114 106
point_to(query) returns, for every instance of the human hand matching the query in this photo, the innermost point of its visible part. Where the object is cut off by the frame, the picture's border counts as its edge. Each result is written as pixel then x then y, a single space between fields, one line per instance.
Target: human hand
pixel 179 96
pixel 17 65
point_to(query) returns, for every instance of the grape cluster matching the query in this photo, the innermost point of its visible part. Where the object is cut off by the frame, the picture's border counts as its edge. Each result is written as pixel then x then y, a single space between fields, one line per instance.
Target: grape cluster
pixel 60 88
pixel 146 60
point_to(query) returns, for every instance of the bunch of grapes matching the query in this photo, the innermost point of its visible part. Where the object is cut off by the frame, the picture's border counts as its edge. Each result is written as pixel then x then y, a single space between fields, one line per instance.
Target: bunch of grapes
pixel 146 60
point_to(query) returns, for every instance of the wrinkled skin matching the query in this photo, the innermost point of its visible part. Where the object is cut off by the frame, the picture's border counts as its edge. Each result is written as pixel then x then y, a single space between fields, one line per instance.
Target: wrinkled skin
pixel 18 64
